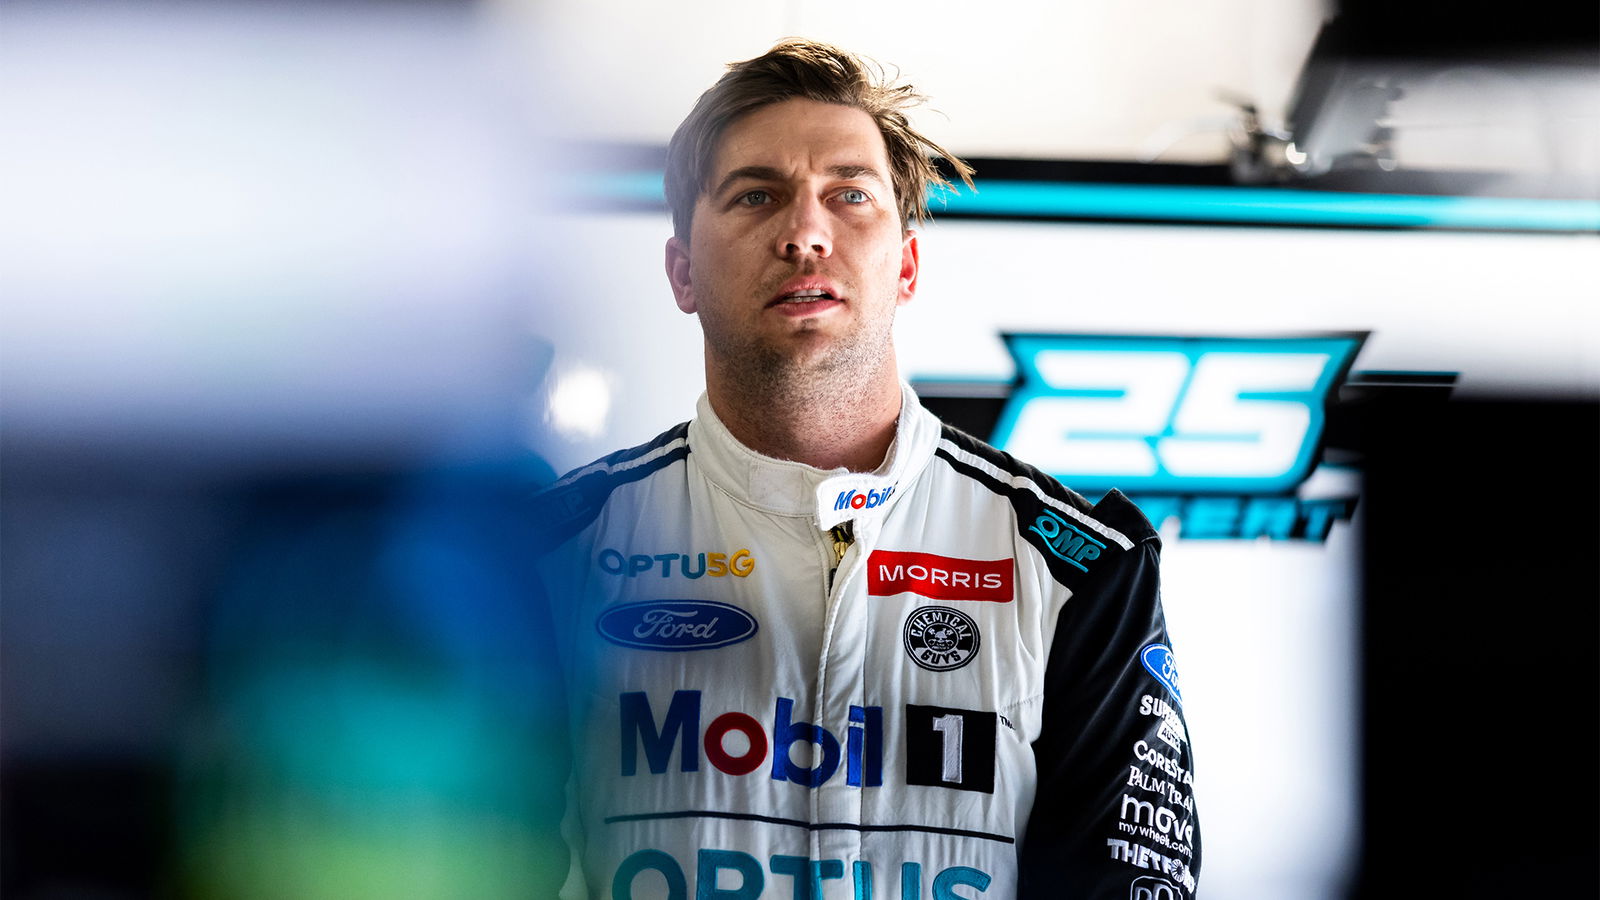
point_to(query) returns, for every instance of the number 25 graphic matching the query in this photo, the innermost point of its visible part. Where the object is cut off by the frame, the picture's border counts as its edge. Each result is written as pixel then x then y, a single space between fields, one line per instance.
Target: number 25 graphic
pixel 1150 414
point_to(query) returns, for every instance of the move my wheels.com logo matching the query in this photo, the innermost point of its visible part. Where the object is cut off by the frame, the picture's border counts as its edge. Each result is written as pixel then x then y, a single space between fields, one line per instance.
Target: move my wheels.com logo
pixel 1224 434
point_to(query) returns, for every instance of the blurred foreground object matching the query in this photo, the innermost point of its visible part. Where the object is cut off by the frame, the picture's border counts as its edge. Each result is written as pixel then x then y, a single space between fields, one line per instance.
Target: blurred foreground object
pixel 268 269
pixel 382 717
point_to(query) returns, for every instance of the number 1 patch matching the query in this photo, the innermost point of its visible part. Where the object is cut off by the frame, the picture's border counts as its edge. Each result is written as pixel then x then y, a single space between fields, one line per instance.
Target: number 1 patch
pixel 951 748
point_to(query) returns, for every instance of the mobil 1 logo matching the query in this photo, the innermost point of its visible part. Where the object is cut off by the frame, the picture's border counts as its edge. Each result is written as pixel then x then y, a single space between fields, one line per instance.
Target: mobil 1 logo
pixel 950 748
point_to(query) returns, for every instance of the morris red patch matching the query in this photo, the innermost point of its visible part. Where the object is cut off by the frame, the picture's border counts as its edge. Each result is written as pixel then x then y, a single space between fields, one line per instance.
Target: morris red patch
pixel 938 577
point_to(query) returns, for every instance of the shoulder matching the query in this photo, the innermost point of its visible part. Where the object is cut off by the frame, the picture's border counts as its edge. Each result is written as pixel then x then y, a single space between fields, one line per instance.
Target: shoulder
pixel 1069 532
pixel 576 498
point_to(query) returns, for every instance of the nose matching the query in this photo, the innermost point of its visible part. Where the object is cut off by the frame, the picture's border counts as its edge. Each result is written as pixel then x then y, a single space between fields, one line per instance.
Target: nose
pixel 804 230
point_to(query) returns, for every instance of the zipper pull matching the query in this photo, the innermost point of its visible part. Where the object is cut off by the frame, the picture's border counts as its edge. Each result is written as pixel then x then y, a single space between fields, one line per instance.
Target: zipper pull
pixel 843 535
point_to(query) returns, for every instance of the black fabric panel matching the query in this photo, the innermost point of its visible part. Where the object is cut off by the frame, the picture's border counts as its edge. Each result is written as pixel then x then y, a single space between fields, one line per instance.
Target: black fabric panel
pixel 1065 564
pixel 1011 465
pixel 1117 511
pixel 1094 687
pixel 567 507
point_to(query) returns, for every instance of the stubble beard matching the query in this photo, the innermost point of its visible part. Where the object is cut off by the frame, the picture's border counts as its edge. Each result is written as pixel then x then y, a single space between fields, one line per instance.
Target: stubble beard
pixel 790 374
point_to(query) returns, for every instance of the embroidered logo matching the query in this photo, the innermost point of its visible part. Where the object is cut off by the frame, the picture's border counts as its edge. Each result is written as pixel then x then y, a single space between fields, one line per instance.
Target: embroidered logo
pixel 676 625
pixel 1071 546
pixel 1157 659
pixel 892 572
pixel 939 638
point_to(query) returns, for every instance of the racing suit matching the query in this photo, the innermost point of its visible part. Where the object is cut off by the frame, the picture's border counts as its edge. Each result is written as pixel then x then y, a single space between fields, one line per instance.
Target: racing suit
pixel 949 678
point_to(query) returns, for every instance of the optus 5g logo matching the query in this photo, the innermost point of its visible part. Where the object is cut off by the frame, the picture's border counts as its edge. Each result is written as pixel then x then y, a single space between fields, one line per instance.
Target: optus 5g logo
pixel 1172 415
pixel 739 564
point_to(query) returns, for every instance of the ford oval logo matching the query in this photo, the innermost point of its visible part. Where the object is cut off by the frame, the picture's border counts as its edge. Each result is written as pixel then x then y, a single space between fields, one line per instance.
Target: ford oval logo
pixel 676 625
pixel 1157 659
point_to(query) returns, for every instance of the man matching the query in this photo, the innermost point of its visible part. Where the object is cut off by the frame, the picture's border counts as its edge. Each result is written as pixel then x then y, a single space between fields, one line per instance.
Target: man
pixel 818 645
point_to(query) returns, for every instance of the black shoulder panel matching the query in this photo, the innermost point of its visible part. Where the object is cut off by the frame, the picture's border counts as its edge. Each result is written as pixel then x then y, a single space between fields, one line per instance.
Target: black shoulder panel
pixel 1070 547
pixel 565 507
pixel 1117 511
pixel 1010 465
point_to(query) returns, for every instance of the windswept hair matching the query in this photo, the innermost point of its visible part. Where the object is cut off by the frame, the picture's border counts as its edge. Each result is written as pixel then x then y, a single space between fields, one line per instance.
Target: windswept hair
pixel 798 68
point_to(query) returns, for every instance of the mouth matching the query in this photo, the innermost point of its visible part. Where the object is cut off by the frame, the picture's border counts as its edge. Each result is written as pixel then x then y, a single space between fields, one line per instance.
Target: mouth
pixel 808 296
pixel 803 297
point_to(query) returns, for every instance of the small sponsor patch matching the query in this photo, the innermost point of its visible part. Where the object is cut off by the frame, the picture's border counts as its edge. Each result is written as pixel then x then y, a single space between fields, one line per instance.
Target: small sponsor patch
pixel 1157 659
pixel 740 563
pixel 1171 731
pixel 846 497
pixel 567 502
pixel 892 572
pixel 940 639
pixel 951 748
pixel 676 625
pixel 557 508
pixel 1072 546
pixel 1150 887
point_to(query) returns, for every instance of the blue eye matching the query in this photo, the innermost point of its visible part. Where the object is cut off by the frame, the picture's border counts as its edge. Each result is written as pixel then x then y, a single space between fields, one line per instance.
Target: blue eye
pixel 854 196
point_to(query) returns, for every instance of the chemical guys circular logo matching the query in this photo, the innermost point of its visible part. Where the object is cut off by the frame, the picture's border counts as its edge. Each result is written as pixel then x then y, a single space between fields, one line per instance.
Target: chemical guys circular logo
pixel 939 638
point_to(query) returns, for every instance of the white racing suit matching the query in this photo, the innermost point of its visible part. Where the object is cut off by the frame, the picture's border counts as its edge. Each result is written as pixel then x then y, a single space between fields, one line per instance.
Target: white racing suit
pixel 977 700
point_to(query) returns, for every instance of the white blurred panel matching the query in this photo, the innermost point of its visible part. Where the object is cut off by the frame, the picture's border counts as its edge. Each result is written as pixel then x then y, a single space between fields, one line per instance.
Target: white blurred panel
pixel 258 230
pixel 1266 639
pixel 613 314
pixel 1096 80
pixel 1026 78
pixel 1507 311
pixel 628 71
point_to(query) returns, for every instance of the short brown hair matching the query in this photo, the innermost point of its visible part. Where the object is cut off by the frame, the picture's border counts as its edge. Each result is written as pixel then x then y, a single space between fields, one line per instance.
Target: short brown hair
pixel 798 68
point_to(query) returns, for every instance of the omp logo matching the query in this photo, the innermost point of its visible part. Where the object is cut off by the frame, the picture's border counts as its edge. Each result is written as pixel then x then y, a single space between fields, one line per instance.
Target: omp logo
pixel 891 572
pixel 1065 541
pixel 676 625
pixel 738 564
pixel 871 498
pixel 1152 414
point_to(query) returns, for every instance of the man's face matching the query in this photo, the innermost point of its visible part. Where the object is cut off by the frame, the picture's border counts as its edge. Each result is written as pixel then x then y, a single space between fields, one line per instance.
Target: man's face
pixel 796 258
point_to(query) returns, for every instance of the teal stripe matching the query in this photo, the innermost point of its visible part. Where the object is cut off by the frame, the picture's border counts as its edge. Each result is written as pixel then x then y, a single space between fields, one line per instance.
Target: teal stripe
pixel 632 188
pixel 1192 203
pixel 1230 204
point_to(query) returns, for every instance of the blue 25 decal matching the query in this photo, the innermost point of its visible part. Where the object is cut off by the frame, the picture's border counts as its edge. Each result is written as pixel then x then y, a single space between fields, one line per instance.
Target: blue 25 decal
pixel 1172 414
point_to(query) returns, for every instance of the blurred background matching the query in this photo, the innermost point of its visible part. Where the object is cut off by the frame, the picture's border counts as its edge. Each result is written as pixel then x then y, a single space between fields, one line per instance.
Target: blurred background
pixel 298 302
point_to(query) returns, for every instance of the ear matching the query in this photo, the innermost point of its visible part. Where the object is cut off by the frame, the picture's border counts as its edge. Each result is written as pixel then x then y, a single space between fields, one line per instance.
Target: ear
pixel 910 264
pixel 678 274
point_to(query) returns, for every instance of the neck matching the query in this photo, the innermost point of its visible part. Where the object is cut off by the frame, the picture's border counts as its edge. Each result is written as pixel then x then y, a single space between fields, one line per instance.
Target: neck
pixel 826 426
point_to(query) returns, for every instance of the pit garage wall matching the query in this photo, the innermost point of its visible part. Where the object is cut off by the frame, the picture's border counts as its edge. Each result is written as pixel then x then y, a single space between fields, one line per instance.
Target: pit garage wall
pixel 1265 626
